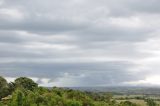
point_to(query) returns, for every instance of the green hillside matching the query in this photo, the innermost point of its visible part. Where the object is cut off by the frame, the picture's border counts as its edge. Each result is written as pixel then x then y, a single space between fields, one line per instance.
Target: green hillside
pixel 25 92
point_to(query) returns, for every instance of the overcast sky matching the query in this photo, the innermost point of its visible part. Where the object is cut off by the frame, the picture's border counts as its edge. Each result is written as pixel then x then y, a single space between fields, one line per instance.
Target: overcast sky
pixel 81 42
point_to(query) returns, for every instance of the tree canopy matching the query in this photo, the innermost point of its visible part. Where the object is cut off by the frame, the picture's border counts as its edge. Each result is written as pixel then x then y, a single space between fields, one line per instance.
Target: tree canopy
pixel 3 87
pixel 26 83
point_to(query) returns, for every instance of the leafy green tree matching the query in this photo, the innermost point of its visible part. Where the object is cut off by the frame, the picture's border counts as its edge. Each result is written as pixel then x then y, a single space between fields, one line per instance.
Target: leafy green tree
pixel 25 83
pixel 17 98
pixel 11 87
pixel 101 103
pixel 127 103
pixel 3 82
pixel 73 103
pixel 151 102
pixel 1 104
pixel 3 87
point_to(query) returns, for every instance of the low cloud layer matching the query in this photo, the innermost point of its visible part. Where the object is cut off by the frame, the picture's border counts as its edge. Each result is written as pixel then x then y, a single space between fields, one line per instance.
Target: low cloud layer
pixel 80 42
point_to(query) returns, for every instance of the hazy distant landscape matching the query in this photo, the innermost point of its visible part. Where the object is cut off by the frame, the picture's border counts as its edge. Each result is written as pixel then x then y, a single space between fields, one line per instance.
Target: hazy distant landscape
pixel 122 90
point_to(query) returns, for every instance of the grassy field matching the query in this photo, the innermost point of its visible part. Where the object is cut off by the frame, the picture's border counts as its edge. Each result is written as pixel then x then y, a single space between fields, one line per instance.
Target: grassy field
pixel 140 102
pixel 138 99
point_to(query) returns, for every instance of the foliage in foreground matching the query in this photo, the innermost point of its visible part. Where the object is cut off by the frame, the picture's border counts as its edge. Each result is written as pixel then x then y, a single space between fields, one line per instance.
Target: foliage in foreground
pixel 25 92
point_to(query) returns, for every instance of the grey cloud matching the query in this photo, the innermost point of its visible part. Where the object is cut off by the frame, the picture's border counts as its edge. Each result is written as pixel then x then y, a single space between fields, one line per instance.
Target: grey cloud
pixel 94 73
pixel 127 8
pixel 145 6
pixel 84 42
pixel 10 37
pixel 113 34
pixel 64 19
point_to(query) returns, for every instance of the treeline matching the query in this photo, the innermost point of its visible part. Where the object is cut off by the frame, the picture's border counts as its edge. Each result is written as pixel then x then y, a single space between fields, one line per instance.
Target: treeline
pixel 25 92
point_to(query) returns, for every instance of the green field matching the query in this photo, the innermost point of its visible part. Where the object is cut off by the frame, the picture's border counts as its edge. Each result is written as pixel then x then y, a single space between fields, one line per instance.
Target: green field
pixel 138 99
pixel 140 102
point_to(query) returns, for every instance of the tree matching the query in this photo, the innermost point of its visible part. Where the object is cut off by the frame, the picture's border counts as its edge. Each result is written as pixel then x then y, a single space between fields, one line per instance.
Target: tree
pixel 73 103
pixel 127 103
pixel 25 83
pixel 151 102
pixel 17 98
pixel 11 87
pixel 3 82
pixel 3 87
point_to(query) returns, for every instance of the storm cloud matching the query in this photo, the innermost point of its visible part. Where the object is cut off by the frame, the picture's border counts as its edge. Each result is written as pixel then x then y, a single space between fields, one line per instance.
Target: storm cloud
pixel 80 42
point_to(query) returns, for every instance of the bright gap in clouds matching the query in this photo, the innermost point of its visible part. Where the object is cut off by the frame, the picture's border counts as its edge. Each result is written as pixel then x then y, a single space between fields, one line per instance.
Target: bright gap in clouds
pixel 153 80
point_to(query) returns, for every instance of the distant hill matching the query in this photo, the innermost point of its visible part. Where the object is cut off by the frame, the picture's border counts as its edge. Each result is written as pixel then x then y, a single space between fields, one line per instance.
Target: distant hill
pixel 122 90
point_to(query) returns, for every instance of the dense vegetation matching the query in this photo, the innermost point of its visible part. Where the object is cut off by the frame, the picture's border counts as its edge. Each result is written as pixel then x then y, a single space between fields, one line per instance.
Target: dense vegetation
pixel 25 92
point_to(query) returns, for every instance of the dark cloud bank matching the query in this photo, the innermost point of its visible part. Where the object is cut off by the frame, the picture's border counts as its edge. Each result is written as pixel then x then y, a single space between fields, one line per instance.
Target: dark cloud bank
pixel 80 42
